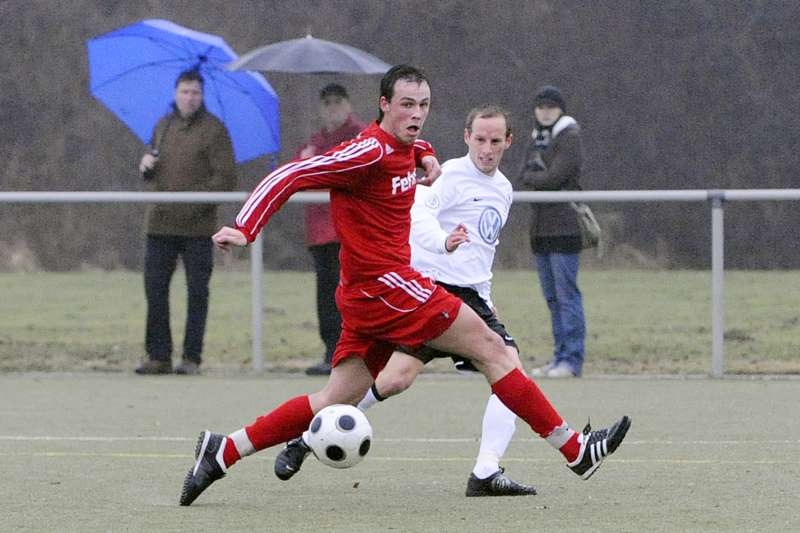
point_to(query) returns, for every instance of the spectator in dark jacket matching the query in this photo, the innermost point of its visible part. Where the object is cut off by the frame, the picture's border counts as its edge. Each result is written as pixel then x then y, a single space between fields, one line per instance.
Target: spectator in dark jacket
pixel 338 125
pixel 190 151
pixel 553 161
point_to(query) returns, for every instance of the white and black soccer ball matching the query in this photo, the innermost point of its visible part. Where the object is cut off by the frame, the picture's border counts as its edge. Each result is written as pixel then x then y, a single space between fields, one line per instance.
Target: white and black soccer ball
pixel 339 435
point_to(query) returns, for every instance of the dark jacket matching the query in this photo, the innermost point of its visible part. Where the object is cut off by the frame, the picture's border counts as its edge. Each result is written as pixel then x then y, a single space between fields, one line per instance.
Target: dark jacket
pixel 553 166
pixel 194 154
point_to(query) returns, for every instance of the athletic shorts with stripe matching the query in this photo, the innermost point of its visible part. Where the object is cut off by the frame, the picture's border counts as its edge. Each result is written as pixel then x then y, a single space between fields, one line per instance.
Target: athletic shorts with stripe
pixel 399 308
pixel 471 298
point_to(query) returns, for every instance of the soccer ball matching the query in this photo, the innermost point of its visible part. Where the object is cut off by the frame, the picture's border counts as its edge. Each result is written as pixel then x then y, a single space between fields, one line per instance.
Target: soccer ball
pixel 339 435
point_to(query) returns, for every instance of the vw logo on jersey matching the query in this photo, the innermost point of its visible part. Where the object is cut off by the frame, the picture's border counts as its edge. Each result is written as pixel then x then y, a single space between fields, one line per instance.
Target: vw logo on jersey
pixel 489 225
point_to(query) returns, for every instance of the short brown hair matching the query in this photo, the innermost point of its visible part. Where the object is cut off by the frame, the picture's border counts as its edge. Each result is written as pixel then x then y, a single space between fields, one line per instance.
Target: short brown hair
pixel 395 74
pixel 190 75
pixel 488 111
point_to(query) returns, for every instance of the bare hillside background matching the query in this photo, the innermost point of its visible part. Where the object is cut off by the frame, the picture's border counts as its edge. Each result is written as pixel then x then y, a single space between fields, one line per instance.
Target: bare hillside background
pixel 671 94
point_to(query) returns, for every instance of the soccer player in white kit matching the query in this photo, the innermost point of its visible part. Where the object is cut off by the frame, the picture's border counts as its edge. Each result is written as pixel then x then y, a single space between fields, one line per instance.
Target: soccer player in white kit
pixel 455 225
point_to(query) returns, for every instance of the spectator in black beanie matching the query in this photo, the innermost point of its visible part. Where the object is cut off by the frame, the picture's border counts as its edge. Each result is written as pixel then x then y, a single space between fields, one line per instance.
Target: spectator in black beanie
pixel 553 160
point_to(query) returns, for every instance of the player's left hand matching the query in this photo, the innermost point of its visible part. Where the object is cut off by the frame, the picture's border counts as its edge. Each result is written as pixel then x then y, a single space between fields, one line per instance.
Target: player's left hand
pixel 432 170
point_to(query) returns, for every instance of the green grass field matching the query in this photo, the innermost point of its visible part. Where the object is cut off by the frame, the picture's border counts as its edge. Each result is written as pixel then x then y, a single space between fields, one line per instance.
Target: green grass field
pixel 639 321
pixel 87 452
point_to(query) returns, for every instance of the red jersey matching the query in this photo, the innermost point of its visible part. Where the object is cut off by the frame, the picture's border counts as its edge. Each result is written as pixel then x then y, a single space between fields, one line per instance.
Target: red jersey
pixel 372 179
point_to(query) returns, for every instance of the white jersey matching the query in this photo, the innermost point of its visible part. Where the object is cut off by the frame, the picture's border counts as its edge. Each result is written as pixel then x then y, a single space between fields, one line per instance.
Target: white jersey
pixel 462 195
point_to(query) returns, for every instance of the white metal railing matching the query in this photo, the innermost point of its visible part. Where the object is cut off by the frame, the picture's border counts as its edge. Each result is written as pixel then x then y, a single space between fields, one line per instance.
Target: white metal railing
pixel 715 198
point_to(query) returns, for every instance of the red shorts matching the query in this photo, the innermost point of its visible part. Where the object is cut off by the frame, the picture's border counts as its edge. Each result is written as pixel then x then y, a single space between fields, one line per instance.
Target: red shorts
pixel 399 308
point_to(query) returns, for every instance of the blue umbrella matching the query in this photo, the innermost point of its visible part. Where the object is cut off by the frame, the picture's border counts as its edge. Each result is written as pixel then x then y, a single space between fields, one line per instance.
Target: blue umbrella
pixel 132 70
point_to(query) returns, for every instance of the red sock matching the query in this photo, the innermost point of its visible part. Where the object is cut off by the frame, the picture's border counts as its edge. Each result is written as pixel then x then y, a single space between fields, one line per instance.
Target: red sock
pixel 285 422
pixel 230 454
pixel 522 396
pixel 571 449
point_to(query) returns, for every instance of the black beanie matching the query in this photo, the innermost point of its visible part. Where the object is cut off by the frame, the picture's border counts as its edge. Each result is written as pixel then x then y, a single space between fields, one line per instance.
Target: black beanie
pixel 549 94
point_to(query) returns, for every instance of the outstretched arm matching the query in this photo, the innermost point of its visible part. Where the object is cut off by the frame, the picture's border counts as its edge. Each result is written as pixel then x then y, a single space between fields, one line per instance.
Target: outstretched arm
pixel 336 168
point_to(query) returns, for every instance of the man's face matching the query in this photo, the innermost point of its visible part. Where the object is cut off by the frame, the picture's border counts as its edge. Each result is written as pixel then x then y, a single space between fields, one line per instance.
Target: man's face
pixel 334 111
pixel 547 114
pixel 405 114
pixel 487 142
pixel 188 97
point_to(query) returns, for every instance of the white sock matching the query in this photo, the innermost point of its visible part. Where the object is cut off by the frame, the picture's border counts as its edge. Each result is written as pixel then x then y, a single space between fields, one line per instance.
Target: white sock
pixel 242 443
pixel 499 424
pixel 560 436
pixel 369 399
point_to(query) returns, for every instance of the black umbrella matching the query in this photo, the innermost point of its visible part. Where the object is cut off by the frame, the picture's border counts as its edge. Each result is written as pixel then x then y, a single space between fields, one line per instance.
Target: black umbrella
pixel 309 55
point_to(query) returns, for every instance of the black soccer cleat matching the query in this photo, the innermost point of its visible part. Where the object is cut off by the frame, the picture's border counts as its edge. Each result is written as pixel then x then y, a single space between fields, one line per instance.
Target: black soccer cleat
pixel 597 445
pixel 290 459
pixel 206 469
pixel 498 484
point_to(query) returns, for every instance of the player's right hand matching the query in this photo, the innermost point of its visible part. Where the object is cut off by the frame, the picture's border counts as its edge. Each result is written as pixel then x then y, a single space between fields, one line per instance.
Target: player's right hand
pixel 147 163
pixel 307 151
pixel 227 237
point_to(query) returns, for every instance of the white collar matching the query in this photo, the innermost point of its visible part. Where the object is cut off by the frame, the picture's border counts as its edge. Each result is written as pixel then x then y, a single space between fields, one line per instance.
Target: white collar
pixel 563 123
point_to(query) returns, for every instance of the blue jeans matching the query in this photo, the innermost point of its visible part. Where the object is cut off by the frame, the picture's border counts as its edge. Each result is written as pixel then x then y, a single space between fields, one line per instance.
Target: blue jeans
pixel 558 277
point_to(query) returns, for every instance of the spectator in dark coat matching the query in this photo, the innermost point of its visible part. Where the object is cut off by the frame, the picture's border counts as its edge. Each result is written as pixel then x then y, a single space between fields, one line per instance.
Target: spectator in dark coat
pixel 191 150
pixel 553 161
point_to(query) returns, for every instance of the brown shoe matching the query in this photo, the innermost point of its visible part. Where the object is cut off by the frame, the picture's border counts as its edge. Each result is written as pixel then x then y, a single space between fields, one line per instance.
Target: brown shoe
pixel 187 368
pixel 152 367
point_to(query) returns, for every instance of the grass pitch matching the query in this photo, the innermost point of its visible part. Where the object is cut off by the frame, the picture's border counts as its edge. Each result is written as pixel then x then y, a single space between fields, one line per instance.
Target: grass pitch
pixel 656 322
pixel 107 452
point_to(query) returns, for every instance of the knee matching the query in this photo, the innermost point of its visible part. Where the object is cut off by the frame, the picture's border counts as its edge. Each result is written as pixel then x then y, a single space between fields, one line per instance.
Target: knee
pixel 488 346
pixel 495 343
pixel 390 385
pixel 496 352
pixel 328 396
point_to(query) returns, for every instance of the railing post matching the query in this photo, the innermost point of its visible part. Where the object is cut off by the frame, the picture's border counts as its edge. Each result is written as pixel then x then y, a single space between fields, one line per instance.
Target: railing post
pixel 717 199
pixel 256 273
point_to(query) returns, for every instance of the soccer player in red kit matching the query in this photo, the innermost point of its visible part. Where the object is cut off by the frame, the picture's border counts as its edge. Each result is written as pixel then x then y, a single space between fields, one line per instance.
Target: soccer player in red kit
pixel 383 301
